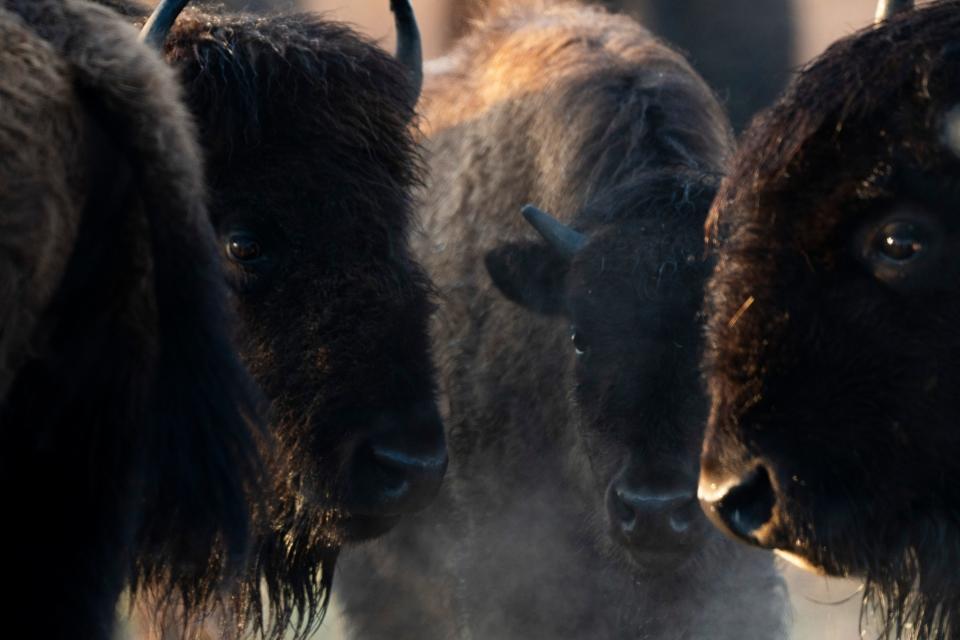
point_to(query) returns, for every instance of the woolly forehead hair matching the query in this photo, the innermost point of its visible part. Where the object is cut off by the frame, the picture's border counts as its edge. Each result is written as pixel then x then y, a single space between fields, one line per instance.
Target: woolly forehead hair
pixel 885 76
pixel 662 196
pixel 296 83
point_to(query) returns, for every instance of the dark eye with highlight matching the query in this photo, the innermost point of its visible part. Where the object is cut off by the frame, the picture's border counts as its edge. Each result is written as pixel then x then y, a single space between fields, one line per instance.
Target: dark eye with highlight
pixel 900 241
pixel 580 344
pixel 243 248
pixel 903 249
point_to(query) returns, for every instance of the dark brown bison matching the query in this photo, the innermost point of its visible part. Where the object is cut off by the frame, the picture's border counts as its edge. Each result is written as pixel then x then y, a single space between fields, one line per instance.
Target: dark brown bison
pixel 568 356
pixel 126 451
pixel 307 130
pixel 832 338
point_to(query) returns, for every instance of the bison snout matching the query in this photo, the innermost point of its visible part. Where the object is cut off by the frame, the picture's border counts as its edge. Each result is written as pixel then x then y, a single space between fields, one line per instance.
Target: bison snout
pixel 654 517
pixel 740 506
pixel 398 469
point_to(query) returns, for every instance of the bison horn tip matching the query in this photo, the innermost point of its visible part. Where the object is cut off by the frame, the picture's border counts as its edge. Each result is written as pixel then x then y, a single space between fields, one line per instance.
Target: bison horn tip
pixel 158 25
pixel 568 242
pixel 889 8
pixel 409 43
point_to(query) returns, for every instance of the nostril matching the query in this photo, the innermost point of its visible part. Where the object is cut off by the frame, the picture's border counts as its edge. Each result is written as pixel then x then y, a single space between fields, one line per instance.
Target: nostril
pixel 622 512
pixel 398 468
pixel 391 481
pixel 657 511
pixel 679 522
pixel 392 473
pixel 745 506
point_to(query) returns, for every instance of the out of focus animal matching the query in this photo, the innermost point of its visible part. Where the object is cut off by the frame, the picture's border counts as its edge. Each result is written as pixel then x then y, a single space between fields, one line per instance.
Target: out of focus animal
pixel 833 345
pixel 742 48
pixel 568 352
pixel 126 418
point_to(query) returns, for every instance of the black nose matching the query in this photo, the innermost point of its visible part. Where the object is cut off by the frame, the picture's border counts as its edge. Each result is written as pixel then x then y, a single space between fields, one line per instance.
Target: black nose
pixel 652 515
pixel 399 467
pixel 742 506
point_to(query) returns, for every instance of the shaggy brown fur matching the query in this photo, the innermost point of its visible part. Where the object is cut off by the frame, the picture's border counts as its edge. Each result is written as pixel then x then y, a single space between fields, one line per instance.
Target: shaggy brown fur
pixel 589 116
pixel 833 363
pixel 125 444
pixel 742 48
pixel 308 135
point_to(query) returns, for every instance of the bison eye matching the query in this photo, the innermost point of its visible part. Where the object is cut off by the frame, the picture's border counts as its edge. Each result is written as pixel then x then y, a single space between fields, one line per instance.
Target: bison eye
pixel 243 247
pixel 904 249
pixel 900 241
pixel 579 341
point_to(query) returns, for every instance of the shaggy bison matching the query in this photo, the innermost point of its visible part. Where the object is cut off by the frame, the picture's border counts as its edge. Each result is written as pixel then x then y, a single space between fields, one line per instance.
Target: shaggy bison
pixel 125 442
pixel 307 131
pixel 568 353
pixel 832 353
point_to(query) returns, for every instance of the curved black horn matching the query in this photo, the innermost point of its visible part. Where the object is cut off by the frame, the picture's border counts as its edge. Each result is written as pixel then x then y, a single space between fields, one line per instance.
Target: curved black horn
pixel 409 45
pixel 889 8
pixel 155 31
pixel 558 235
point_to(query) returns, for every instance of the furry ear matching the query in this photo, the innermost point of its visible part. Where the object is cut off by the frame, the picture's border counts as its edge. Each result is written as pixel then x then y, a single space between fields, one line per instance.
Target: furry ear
pixel 530 274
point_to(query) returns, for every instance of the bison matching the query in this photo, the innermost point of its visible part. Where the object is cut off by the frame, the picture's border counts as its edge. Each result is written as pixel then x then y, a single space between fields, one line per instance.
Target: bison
pixel 126 418
pixel 832 335
pixel 308 137
pixel 567 353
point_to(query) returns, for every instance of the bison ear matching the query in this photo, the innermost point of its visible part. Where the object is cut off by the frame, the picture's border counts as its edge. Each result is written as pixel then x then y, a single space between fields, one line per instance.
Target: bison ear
pixel 530 274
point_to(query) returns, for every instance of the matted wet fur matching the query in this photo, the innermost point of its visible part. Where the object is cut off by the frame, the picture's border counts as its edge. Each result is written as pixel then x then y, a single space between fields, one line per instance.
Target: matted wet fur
pixel 308 133
pixel 125 415
pixel 832 367
pixel 590 117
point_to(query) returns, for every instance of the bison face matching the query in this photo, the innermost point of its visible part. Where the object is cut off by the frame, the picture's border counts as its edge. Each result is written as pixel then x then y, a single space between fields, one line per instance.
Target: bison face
pixel 832 344
pixel 335 319
pixel 832 369
pixel 628 299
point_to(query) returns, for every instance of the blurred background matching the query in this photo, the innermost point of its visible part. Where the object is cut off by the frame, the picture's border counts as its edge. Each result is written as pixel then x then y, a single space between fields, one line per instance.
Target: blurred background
pixel 747 50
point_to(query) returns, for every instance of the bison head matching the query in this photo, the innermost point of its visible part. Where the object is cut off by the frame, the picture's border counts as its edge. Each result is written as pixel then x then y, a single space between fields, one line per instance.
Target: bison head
pixel 628 290
pixel 832 333
pixel 311 162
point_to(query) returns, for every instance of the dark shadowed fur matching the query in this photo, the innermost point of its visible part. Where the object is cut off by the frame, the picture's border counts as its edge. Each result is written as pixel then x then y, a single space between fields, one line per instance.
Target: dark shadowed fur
pixel 590 117
pixel 308 135
pixel 831 366
pixel 124 412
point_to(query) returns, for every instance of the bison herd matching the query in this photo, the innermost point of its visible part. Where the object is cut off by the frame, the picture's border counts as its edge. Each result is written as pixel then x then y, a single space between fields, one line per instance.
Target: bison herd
pixel 260 280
